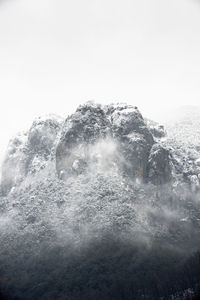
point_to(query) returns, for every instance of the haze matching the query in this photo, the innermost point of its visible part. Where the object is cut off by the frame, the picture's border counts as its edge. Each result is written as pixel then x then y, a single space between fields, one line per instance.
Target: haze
pixel 56 54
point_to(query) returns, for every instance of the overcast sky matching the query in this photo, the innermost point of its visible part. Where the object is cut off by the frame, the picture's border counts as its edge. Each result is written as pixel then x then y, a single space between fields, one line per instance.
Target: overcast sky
pixel 56 54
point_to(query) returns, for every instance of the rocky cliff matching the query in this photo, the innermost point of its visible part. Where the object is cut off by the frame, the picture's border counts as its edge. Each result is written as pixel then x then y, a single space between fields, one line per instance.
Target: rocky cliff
pixel 29 152
pixel 104 167
pixel 95 136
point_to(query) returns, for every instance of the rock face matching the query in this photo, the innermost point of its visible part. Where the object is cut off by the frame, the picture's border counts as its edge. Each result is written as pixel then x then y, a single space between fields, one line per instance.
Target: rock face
pixel 13 167
pixel 87 125
pixel 157 130
pixel 96 138
pixel 30 152
pixel 134 138
pixel 159 167
pixel 121 125
pixel 42 136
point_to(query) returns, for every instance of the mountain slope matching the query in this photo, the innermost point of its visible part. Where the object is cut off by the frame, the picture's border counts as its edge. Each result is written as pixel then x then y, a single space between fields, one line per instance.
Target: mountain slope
pixel 103 179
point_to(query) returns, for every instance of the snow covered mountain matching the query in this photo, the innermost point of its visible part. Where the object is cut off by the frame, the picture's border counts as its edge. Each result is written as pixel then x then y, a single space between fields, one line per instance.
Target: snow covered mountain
pixel 105 170
pixel 79 167
pixel 94 136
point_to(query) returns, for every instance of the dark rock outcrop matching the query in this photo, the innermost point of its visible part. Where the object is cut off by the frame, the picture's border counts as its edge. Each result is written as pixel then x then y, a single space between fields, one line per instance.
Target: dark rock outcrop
pixel 87 125
pixel 159 167
pixel 95 138
pixel 157 130
pixel 121 123
pixel 29 152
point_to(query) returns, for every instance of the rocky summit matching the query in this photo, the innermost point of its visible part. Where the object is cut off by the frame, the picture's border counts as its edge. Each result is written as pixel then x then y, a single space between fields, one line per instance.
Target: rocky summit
pixel 72 146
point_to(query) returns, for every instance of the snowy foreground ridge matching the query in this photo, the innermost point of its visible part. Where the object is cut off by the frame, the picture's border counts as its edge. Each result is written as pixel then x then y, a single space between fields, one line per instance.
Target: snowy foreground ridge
pixel 103 169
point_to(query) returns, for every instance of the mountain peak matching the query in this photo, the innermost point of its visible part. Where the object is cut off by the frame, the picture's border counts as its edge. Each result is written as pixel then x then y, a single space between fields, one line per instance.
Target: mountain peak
pixel 94 135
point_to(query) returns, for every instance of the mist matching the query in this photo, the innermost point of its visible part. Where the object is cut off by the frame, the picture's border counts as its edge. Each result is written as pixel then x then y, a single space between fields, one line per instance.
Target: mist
pixel 56 55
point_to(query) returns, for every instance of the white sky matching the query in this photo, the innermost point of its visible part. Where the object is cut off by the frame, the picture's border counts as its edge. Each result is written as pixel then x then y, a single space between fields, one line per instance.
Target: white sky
pixel 55 54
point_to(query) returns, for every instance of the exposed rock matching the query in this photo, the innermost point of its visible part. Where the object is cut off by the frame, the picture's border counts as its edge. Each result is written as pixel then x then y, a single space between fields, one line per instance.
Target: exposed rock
pixel 87 125
pixel 121 123
pixel 96 138
pixel 42 140
pixel 30 152
pixel 42 135
pixel 13 167
pixel 159 167
pixel 157 130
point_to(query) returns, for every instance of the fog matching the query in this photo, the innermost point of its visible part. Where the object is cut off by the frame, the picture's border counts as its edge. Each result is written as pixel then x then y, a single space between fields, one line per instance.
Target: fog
pixel 55 55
